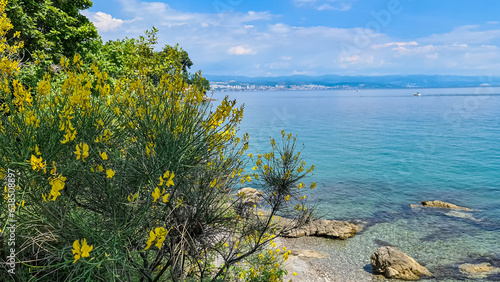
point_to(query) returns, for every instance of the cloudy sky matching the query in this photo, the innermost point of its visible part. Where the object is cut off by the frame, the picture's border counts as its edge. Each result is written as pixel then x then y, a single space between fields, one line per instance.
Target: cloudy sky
pixel 316 37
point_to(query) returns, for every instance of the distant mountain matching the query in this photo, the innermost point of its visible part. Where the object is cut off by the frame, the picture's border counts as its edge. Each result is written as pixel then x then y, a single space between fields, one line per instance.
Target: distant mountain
pixel 386 81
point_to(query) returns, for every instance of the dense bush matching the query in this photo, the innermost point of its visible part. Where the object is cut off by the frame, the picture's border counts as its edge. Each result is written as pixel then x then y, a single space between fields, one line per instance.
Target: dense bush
pixel 135 178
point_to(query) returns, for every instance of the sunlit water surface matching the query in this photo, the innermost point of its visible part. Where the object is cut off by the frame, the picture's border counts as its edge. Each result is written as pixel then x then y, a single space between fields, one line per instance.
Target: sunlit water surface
pixel 378 151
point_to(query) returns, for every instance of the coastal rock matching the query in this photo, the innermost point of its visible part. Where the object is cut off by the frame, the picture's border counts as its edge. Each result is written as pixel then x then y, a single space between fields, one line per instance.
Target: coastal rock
pixel 478 271
pixel 393 263
pixel 208 99
pixel 307 253
pixel 249 196
pixel 326 228
pixel 440 204
pixel 247 199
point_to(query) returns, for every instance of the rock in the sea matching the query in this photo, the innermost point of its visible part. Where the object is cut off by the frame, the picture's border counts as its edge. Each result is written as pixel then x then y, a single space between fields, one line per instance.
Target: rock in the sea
pixel 478 270
pixel 325 228
pixel 393 263
pixel 439 204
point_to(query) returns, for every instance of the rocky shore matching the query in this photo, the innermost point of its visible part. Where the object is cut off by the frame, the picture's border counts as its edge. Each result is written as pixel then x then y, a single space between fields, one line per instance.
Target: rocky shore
pixel 429 240
pixel 327 250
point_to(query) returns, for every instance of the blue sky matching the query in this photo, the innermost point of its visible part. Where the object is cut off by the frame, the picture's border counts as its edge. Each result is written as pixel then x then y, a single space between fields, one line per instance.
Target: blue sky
pixel 316 37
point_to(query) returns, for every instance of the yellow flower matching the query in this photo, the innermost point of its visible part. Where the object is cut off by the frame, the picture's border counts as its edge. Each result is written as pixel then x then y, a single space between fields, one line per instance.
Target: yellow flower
pixel 155 194
pixel 152 237
pixel 37 164
pixel 165 198
pixel 98 168
pixel 313 185
pixel 166 176
pixel 81 251
pixel 110 173
pixel 159 233
pixel 82 150
pixel 54 168
pixel 99 123
pixel 286 255
pixel 179 202
pixel 57 185
pixel 103 155
pixel 69 136
pixel 37 150
pixel 287 198
pixel 134 196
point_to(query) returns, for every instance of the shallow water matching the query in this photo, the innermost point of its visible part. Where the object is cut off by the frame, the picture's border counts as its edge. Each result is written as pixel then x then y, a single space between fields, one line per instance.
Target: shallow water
pixel 377 151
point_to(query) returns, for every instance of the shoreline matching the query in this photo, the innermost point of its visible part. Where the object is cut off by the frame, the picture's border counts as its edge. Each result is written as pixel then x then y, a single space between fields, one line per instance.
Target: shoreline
pixel 444 254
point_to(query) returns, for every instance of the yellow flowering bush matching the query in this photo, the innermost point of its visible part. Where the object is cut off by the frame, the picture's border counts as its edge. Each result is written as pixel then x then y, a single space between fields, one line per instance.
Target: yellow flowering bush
pixel 264 266
pixel 139 166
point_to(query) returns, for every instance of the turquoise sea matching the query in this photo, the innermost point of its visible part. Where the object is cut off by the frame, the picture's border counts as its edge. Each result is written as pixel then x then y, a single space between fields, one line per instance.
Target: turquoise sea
pixel 378 151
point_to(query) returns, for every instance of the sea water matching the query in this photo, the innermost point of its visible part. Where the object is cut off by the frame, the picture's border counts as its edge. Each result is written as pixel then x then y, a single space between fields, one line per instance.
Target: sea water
pixel 378 151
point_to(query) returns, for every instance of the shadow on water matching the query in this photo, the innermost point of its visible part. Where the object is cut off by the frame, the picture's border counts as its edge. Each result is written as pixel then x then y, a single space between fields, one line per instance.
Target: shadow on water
pixel 456 225
pixel 447 225
pixel 381 217
pixel 450 231
pixel 494 261
pixel 448 272
pixel 368 268
pixel 452 271
pixel 382 243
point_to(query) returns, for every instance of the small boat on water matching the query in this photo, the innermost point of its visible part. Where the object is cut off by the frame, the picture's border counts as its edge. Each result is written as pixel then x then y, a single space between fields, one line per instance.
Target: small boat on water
pixel 417 94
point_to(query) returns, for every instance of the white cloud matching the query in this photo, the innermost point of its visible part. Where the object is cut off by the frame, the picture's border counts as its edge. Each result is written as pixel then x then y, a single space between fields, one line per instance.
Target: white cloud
pixel 470 34
pixel 432 56
pixel 102 21
pixel 399 44
pixel 241 50
pixel 295 72
pixel 324 5
pixel 256 43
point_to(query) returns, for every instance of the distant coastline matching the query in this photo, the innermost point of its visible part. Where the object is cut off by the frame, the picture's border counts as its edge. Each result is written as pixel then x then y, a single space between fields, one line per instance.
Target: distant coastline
pixel 337 82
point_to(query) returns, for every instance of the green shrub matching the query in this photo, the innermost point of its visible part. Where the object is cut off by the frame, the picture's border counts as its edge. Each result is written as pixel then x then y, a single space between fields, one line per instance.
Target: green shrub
pixel 133 179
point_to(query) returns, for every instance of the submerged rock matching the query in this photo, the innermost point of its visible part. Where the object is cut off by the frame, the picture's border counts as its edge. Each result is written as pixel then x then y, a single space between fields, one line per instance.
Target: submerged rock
pixel 325 228
pixel 463 215
pixel 440 204
pixel 393 263
pixel 478 270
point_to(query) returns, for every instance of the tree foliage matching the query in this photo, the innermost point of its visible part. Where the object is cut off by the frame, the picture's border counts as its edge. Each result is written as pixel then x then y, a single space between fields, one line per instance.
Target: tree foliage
pixel 50 29
pixel 53 28
pixel 121 58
